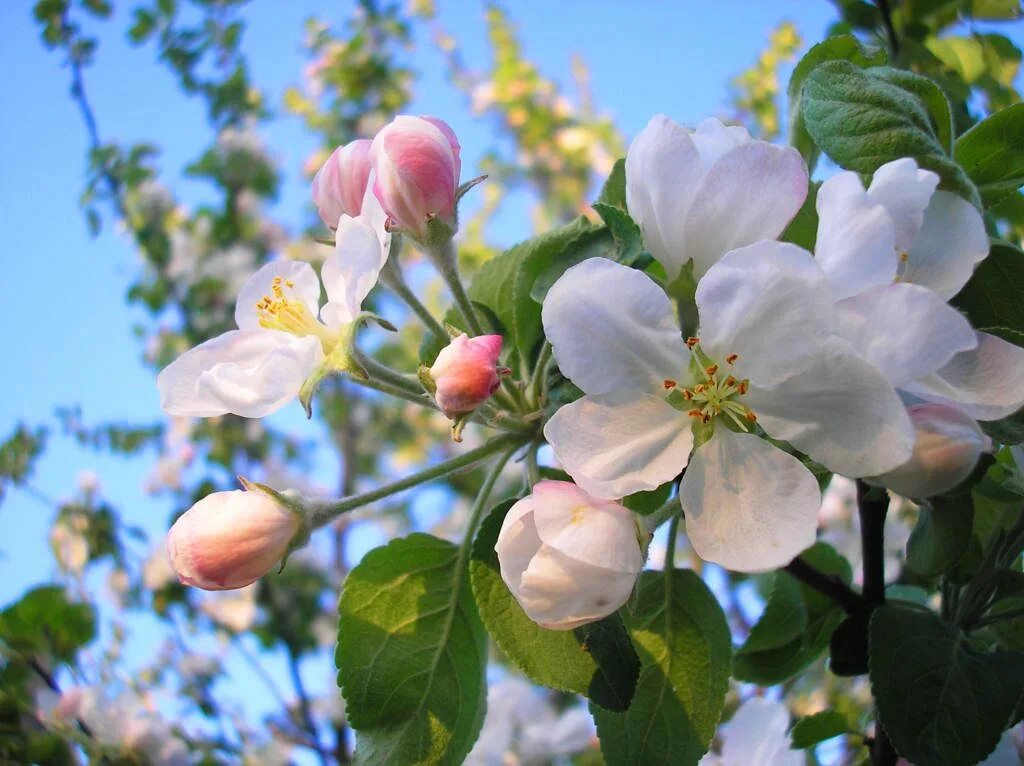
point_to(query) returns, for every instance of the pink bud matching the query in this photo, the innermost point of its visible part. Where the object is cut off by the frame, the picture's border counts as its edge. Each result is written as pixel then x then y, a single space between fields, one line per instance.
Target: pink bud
pixel 338 186
pixel 466 373
pixel 949 443
pixel 417 163
pixel 230 539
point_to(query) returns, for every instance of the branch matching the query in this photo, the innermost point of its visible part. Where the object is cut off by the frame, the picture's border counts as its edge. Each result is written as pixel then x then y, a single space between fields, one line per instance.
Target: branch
pixel 829 585
pixel 890 30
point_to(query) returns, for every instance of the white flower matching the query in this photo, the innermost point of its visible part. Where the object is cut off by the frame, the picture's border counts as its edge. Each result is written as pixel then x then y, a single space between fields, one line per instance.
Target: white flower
pixel 766 354
pixel 235 610
pixel 698 194
pixel 280 343
pixel 893 255
pixel 568 558
pixel 756 736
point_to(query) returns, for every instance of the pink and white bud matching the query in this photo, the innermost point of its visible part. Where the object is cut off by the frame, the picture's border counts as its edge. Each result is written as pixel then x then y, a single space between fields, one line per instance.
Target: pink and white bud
pixel 466 373
pixel 949 443
pixel 339 186
pixel 230 539
pixel 417 166
pixel 567 557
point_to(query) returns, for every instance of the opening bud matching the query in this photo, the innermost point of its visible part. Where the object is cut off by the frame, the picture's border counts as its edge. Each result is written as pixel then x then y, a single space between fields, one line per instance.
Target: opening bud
pixel 465 374
pixel 339 186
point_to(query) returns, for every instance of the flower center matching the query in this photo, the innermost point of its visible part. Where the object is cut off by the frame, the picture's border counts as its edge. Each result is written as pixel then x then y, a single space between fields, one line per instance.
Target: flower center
pixel 717 393
pixel 278 311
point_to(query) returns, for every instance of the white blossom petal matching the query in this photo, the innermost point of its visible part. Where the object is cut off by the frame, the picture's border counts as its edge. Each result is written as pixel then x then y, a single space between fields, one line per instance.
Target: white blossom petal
pixel 663 169
pixel 246 372
pixel 986 382
pixel 612 328
pixel 713 139
pixel 751 193
pixel 750 507
pixel 351 271
pixel 768 304
pixel 950 244
pixel 904 189
pixel 904 330
pixel 756 736
pixel 585 529
pixel 305 287
pixel 841 411
pixel 613 447
pixel 856 244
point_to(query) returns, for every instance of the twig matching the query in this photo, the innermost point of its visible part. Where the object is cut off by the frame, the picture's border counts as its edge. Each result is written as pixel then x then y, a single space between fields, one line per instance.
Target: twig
pixel 829 585
pixel 890 30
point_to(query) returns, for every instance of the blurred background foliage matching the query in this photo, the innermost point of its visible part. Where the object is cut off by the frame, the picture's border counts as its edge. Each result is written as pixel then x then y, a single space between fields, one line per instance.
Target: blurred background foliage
pixel 556 147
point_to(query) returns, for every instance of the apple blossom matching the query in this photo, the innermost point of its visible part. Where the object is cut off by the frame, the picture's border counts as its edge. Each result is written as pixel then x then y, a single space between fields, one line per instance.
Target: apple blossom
pixel 568 558
pixel 230 539
pixel 280 343
pixel 340 184
pixel 698 194
pixel 465 373
pixel 417 166
pixel 766 354
pixel 756 736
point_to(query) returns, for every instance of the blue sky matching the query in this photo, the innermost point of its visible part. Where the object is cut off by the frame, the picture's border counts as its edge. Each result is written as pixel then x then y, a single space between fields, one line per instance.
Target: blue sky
pixel 66 330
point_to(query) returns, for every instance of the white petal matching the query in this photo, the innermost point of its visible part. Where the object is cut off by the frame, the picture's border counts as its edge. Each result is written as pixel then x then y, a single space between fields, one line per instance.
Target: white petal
pixel 949 443
pixel 751 193
pixel 561 593
pixel 247 372
pixel 351 271
pixel 305 287
pixel 755 733
pixel 904 190
pixel 714 139
pixel 749 506
pixel 839 410
pixel 950 244
pixel 904 330
pixel 767 303
pixel 517 541
pixel 373 215
pixel 585 528
pixel 663 168
pixel 986 382
pixel 613 329
pixel 856 245
pixel 615 447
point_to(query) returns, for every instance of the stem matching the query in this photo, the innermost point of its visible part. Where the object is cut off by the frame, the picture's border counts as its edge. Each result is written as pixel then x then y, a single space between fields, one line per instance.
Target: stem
pixel 669 510
pixel 480 503
pixel 540 374
pixel 446 262
pixel 323 513
pixel 532 466
pixel 391 275
pixel 829 585
pixel 386 388
pixel 670 547
pixel 385 374
pixel 872 511
pixel 890 30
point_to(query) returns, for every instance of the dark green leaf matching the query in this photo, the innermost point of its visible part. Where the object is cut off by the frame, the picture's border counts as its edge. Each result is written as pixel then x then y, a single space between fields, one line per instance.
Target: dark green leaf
pixel 803 229
pixel 412 654
pixel 646 503
pixel 941 535
pixel 784 618
pixel 992 297
pixel 618 666
pixel 682 638
pixel 812 729
pixel 44 621
pixel 864 118
pixel 942 703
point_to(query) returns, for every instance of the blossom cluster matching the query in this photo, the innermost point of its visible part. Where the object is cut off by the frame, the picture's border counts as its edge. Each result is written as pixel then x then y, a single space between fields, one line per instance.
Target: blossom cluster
pixel 730 368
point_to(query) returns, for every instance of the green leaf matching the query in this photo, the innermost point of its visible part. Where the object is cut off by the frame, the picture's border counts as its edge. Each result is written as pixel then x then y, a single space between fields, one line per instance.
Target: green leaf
pixel 784 618
pixel 613 193
pixel 942 702
pixel 646 503
pixel 839 48
pixel 597 241
pixel 803 229
pixel 930 94
pixel 774 665
pixel 992 154
pixel 629 241
pixel 44 621
pixel 996 10
pixel 865 118
pixel 812 729
pixel 992 296
pixel 553 658
pixel 412 654
pixel 618 666
pixel 683 641
pixel 941 536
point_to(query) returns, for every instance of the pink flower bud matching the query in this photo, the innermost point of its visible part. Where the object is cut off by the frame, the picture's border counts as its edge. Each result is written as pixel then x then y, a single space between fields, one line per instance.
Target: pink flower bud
pixel 949 443
pixel 230 539
pixel 466 373
pixel 417 163
pixel 338 186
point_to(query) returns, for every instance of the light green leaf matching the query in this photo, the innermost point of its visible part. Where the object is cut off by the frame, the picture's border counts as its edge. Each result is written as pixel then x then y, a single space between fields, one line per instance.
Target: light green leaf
pixel 992 297
pixel 865 118
pixel 412 654
pixel 683 641
pixel 812 729
pixel 992 154
pixel 784 618
pixel 942 702
pixel 613 192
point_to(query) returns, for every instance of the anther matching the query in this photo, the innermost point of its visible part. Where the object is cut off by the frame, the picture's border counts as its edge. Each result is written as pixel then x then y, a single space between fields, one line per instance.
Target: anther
pixel 669 384
pixel 744 385
pixel 695 413
pixel 731 359
pixel 711 370
pixel 750 416
pixel 692 341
